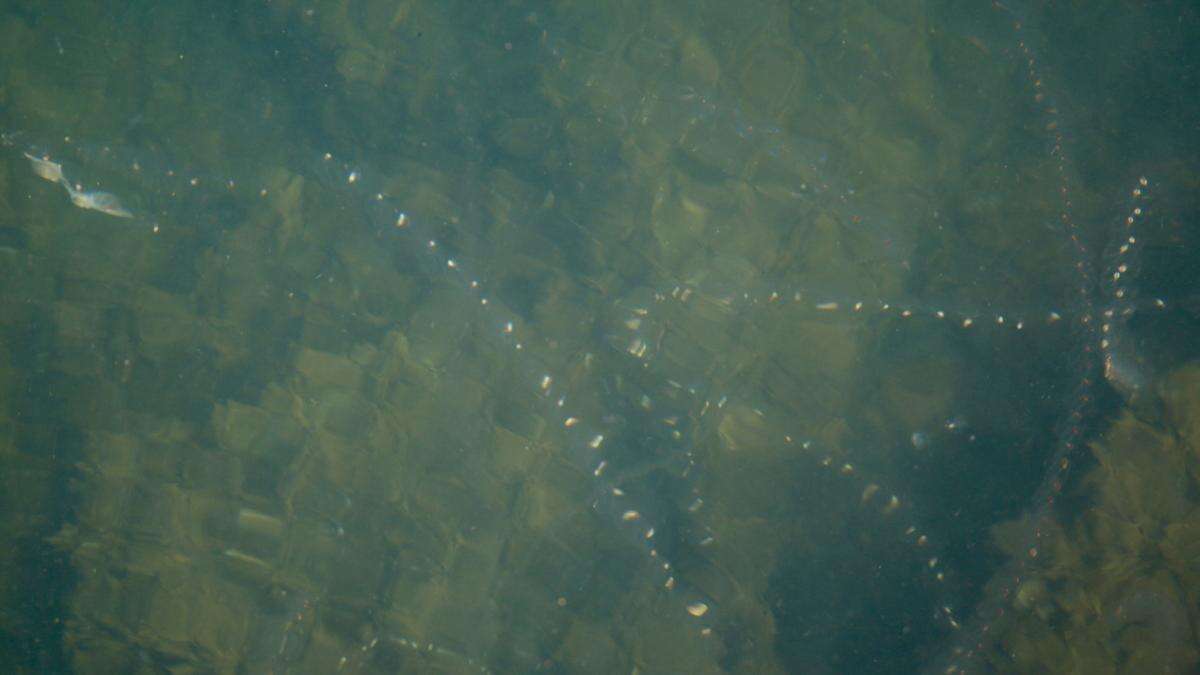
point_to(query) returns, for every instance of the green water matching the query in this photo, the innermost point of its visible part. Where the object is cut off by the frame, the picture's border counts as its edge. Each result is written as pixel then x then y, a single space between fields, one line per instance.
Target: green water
pixel 262 425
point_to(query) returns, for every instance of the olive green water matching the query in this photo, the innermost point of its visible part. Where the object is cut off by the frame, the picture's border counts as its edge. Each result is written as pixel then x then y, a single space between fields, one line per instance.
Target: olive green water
pixel 256 428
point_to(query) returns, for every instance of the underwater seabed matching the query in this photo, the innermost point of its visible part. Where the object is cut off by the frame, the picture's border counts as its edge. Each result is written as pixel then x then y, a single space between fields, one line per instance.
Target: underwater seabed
pixel 1119 586
pixel 363 472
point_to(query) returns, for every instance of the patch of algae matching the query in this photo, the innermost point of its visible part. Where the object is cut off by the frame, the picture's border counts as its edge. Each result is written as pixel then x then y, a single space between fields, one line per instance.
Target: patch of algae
pixel 1121 590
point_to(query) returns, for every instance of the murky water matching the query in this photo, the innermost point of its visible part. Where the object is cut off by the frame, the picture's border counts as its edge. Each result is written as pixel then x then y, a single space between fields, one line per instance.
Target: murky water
pixel 646 339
